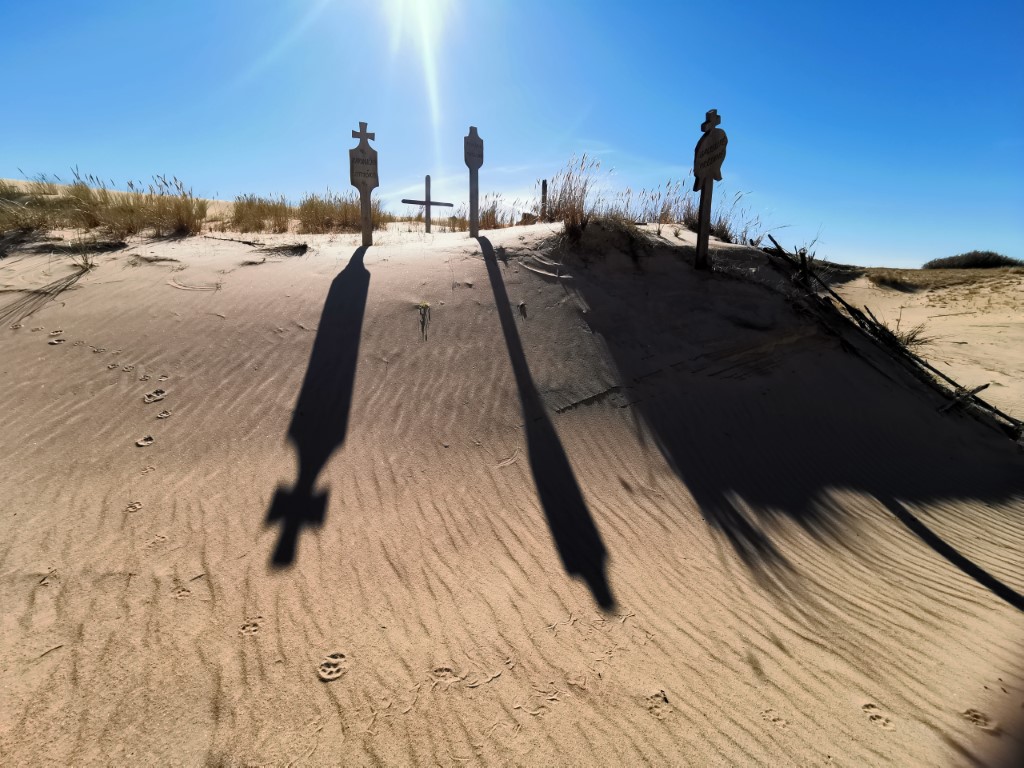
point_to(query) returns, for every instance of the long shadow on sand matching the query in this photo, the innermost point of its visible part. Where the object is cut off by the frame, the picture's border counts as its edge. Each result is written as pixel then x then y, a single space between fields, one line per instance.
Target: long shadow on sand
pixel 761 437
pixel 576 536
pixel 320 420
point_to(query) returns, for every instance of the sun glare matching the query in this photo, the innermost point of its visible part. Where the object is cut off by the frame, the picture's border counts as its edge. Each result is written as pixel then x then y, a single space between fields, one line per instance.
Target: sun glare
pixel 421 23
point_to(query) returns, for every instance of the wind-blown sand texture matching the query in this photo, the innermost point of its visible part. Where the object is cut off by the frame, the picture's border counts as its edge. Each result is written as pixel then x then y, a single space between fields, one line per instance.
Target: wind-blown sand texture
pixel 576 514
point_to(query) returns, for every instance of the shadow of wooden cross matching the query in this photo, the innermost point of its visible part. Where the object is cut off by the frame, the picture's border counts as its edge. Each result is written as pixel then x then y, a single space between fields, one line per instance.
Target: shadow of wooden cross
pixel 426 203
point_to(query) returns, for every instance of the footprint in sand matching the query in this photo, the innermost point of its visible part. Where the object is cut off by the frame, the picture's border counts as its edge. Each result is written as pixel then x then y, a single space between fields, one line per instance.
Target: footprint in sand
pixel 156 541
pixel 981 720
pixel 154 396
pixel 56 333
pixel 142 442
pixel 79 344
pixel 145 377
pixel 181 593
pixel 37 328
pixel 163 414
pixel 332 667
pixel 875 716
pixel 657 705
pixel 163 377
pixel 97 350
pixel 57 341
pixel 773 717
pixel 134 506
pixel 252 627
pixel 127 368
pixel 16 326
pixel 112 366
pixel 147 470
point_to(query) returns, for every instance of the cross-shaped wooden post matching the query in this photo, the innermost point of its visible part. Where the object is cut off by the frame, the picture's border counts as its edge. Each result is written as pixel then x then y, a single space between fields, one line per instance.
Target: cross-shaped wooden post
pixel 426 203
pixel 363 174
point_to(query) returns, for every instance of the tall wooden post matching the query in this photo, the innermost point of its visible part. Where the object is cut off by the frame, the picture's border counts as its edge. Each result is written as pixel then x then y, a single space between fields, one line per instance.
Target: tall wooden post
pixel 708 157
pixel 544 200
pixel 363 175
pixel 474 155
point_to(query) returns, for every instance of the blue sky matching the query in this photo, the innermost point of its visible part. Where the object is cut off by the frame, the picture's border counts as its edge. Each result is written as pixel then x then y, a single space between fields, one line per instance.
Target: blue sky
pixel 894 132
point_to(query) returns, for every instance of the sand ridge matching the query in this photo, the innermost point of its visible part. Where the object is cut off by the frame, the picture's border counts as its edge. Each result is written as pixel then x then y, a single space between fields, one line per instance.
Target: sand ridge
pixel 589 512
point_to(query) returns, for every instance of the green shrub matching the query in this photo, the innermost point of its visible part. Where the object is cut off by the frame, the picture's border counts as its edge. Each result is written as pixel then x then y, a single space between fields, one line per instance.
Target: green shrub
pixel 973 260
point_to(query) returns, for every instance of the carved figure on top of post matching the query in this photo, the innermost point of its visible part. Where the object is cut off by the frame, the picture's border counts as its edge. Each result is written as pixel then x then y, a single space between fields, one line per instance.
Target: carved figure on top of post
pixel 708 157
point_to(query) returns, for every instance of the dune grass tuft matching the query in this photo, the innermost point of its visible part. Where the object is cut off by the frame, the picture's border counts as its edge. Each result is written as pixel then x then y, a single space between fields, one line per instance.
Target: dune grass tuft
pixel 252 213
pixel 165 206
pixel 333 212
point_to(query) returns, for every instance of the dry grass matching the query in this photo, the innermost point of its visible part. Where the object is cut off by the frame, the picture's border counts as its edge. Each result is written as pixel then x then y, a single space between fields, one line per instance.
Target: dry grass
pixel 574 200
pixel 165 207
pixel 338 213
pixel 252 213
pixel 910 280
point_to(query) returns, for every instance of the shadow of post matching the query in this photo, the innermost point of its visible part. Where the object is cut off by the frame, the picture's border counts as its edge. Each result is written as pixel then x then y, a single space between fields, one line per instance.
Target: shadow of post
pixel 320 420
pixel 576 536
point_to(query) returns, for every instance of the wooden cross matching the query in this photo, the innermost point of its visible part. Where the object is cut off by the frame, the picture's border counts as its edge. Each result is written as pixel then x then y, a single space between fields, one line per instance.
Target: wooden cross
pixel 362 163
pixel 426 204
pixel 362 134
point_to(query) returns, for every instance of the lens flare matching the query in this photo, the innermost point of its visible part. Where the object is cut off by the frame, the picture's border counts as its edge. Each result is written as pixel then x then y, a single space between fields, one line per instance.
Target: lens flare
pixel 421 23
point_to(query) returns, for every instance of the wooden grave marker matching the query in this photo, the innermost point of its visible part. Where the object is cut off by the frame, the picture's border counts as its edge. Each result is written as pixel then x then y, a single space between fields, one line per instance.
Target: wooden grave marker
pixel 708 157
pixel 474 156
pixel 427 203
pixel 362 161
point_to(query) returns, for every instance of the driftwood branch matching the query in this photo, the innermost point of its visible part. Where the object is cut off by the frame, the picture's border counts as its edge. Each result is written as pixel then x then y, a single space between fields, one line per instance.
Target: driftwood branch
pixel 883 337
pixel 961 398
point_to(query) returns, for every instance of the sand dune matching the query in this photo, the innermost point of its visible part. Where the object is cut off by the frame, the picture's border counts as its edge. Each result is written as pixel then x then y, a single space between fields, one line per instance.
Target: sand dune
pixel 452 502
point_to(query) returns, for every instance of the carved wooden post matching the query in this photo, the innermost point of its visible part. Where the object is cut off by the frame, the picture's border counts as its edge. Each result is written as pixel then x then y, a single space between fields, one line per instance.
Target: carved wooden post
pixel 474 155
pixel 544 200
pixel 707 169
pixel 363 173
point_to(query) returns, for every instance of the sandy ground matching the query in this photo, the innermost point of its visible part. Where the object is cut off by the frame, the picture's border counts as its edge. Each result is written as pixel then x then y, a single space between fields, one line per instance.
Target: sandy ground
pixel 977 330
pixel 449 502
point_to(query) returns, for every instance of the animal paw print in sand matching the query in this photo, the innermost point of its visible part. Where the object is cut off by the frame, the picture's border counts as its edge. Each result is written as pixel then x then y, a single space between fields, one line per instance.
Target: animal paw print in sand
pixel 56 333
pixel 252 627
pixel 146 470
pixel 163 414
pixel 38 328
pixel 155 396
pixel 773 717
pixel 134 506
pixel 181 593
pixel 79 343
pixel 16 326
pixel 55 342
pixel 332 667
pixel 875 716
pixel 112 366
pixel 163 377
pixel 127 368
pixel 657 705
pixel 97 350
pixel 156 541
pixel 142 442
pixel 981 720
pixel 145 377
